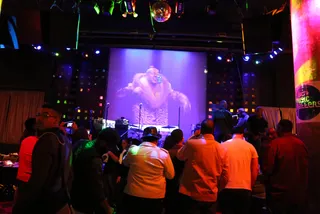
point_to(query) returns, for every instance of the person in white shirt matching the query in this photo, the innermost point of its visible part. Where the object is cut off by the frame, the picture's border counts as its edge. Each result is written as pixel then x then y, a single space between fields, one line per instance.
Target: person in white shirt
pixel 149 166
pixel 243 172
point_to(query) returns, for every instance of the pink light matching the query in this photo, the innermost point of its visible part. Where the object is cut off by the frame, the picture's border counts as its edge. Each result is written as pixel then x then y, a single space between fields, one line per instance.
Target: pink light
pixel 100 104
pixel 101 98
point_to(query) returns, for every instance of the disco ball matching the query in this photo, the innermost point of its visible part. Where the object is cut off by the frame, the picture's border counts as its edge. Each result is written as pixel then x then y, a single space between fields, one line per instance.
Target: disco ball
pixel 161 11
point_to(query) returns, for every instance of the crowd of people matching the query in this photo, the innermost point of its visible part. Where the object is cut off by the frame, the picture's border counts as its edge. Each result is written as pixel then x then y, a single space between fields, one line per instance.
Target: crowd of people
pixel 214 170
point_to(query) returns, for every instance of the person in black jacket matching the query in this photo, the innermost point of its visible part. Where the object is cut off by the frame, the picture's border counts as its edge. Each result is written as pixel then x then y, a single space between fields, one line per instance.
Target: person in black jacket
pixel 173 143
pixel 88 189
pixel 47 190
pixel 223 122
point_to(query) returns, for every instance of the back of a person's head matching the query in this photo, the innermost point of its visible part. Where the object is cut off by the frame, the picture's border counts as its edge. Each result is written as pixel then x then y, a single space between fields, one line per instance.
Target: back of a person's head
pixel 237 130
pixel 177 135
pixel 80 134
pixel 53 108
pixel 285 126
pixel 223 104
pixel 30 124
pixel 135 142
pixel 168 143
pixel 110 136
pixel 207 126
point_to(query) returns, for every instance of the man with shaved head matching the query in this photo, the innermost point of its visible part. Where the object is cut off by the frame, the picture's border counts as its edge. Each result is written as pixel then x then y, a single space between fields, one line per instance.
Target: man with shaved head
pixel 206 169
pixel 223 122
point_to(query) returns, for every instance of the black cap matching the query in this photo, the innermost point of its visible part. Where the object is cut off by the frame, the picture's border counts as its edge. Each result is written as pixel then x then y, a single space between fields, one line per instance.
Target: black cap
pixel 150 134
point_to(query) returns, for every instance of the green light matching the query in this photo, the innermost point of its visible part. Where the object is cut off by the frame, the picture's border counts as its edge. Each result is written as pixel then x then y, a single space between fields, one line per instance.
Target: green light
pixel 65 102
pixel 58 101
pixel 64 116
pixel 97 8
pixel 56 54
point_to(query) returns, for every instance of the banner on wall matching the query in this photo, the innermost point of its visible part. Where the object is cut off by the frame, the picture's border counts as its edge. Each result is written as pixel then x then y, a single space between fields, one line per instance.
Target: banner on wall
pixel 308 102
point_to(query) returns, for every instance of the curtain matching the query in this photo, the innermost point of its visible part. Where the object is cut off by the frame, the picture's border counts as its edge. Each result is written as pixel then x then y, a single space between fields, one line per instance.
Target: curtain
pixel 4 106
pixel 272 115
pixel 290 114
pixel 23 105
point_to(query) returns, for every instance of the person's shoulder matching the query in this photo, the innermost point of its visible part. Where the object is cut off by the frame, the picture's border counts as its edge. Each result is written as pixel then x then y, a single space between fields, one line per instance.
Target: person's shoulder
pixel 29 139
pixel 164 151
pixel 133 149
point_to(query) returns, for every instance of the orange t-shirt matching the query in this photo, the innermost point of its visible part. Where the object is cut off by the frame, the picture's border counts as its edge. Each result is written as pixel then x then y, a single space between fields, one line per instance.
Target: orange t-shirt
pixel 25 158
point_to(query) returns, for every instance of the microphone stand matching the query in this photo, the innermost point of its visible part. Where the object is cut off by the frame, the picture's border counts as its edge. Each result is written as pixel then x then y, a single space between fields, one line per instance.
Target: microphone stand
pixel 106 114
pixel 179 118
pixel 140 107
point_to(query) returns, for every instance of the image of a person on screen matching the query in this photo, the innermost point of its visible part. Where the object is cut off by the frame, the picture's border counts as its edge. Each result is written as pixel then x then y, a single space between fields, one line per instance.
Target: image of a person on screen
pixel 153 90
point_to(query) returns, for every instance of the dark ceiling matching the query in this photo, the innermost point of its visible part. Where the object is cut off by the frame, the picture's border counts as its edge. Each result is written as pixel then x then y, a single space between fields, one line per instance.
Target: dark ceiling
pixel 195 29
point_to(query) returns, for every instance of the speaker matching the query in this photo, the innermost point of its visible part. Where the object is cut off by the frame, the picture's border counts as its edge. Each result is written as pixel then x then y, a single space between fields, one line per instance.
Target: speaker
pixel 257 34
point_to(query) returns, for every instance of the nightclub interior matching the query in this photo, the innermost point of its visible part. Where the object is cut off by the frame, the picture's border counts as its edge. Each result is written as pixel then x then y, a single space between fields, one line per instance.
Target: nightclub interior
pixel 160 106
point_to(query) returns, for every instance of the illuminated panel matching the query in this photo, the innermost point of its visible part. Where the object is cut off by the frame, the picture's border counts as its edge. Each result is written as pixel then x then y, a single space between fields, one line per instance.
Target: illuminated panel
pixel 305 18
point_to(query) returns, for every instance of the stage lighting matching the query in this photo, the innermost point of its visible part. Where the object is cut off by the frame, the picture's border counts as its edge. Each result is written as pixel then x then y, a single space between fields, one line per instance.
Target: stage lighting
pixel 130 6
pixel 97 52
pixel 179 8
pixel 229 59
pixel 68 49
pixel 275 52
pixel 219 58
pixel 38 47
pixel 271 56
pixel 160 11
pixel 246 58
pixel 257 62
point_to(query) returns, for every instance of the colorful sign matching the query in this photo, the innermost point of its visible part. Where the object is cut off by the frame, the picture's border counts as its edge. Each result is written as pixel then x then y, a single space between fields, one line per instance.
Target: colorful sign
pixel 307 102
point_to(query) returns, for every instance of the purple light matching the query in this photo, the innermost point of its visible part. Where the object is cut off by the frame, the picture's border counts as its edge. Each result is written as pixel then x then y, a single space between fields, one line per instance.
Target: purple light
pixel 246 58
pixel 275 52
pixel 271 56
pixel 97 52
pixel 219 57
pixel 38 47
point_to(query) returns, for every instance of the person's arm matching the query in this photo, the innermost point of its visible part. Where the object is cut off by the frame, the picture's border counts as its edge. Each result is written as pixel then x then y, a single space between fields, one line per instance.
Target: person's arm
pixel 126 159
pixel 229 121
pixel 42 160
pixel 271 153
pixel 254 170
pixel 225 168
pixel 254 165
pixel 114 157
pixel 182 153
pixel 96 183
pixel 168 168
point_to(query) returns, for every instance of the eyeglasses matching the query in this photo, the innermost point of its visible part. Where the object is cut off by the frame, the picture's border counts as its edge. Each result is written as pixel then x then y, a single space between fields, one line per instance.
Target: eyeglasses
pixel 44 114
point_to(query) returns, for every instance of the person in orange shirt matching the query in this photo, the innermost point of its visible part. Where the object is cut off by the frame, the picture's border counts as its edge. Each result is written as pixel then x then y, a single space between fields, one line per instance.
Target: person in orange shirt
pixel 25 158
pixel 206 168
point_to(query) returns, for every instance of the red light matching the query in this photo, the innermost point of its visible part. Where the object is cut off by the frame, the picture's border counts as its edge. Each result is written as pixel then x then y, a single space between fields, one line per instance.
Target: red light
pixel 100 104
pixel 101 97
